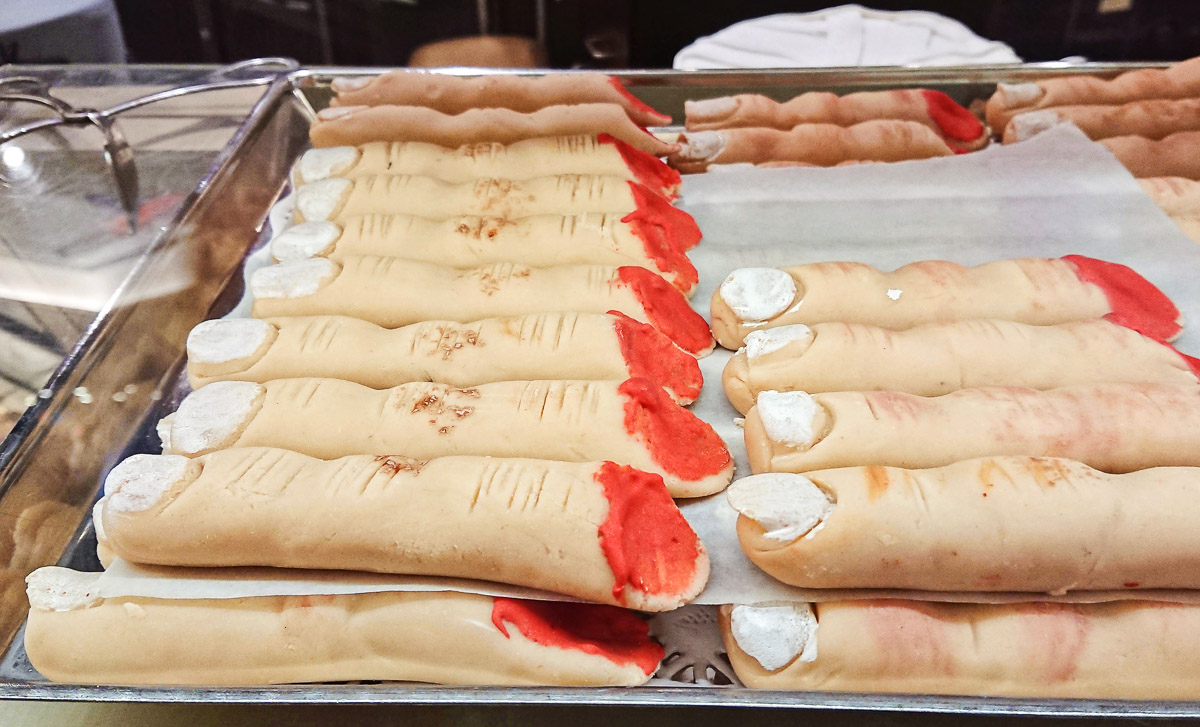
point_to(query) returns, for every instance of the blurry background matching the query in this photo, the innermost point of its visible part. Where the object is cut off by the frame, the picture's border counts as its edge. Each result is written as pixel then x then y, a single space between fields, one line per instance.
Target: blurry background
pixel 578 33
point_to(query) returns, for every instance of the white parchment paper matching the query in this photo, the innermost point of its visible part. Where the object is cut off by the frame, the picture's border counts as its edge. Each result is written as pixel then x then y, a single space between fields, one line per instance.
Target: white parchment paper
pixel 1054 195
pixel 123 578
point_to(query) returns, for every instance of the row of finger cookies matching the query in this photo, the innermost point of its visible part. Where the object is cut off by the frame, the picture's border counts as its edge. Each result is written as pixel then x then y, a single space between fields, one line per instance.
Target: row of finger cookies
pixel 825 129
pixel 468 361
pixel 1017 427
pixel 1148 118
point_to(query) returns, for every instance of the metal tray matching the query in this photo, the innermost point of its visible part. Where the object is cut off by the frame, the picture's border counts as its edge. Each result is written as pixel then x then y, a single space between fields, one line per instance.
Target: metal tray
pixel 102 402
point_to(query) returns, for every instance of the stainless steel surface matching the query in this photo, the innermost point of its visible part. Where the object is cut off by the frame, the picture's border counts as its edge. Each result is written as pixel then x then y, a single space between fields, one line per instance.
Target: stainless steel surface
pixel 116 147
pixel 62 446
pixel 220 79
pixel 119 155
pixel 65 238
pixel 609 696
pixel 51 461
pixel 36 91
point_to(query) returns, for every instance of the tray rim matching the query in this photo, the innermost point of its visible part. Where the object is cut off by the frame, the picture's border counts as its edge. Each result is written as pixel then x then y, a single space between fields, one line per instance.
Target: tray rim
pixel 646 696
pixel 860 75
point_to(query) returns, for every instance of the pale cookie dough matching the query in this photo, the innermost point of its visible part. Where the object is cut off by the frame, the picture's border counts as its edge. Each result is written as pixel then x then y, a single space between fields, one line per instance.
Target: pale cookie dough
pixel 455 94
pixel 1181 80
pixel 1177 155
pixel 355 125
pixel 1188 225
pixel 541 157
pixel 1115 650
pixel 939 358
pixel 582 346
pixel 1179 198
pixel 441 637
pixel 933 109
pixel 1111 427
pixel 336 199
pixel 1039 525
pixel 594 530
pixel 1175 195
pixel 1037 291
pixel 822 145
pixel 633 423
pixel 394 292
pixel 1150 119
pixel 465 242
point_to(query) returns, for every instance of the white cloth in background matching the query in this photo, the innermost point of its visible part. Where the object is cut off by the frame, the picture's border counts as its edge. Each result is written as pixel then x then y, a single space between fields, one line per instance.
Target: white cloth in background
pixel 848 35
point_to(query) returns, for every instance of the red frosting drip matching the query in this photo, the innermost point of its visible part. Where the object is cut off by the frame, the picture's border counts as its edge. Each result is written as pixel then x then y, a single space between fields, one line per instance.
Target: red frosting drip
pixel 954 121
pixel 651 355
pixel 679 441
pixel 667 309
pixel 647 168
pixel 655 217
pixel 636 102
pixel 606 631
pixel 1134 301
pixel 646 540
pixel 660 246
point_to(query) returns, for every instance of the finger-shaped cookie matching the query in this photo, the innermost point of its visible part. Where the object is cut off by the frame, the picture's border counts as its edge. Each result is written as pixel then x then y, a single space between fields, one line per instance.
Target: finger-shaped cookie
pixel 1175 195
pixel 355 125
pixel 455 94
pixel 580 346
pixel 394 292
pixel 466 242
pixel 442 637
pixel 1038 291
pixel 938 358
pixel 820 144
pixel 933 109
pixel 1057 650
pixel 1112 427
pixel 1179 81
pixel 337 199
pixel 542 157
pixel 993 524
pixel 1150 119
pixel 1177 155
pixel 632 422
pixel 598 531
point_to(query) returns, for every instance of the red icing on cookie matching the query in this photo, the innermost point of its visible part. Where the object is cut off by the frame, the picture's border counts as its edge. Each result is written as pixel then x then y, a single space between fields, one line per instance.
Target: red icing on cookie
pixel 606 631
pixel 1057 635
pixel 646 540
pixel 636 102
pixel 666 252
pixel 909 635
pixel 679 441
pixel 1134 301
pixel 655 216
pixel 651 355
pixel 954 121
pixel 647 168
pixel 667 309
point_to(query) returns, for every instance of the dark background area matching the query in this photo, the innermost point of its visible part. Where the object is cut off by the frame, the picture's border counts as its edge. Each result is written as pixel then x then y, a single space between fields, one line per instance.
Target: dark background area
pixel 613 33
